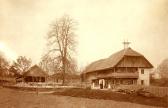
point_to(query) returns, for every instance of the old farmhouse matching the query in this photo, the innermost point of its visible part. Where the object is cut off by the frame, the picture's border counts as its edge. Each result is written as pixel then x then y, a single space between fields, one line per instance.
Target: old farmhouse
pixel 126 67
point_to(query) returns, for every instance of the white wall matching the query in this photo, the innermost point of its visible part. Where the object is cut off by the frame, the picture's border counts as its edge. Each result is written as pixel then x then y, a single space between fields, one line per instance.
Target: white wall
pixel 145 76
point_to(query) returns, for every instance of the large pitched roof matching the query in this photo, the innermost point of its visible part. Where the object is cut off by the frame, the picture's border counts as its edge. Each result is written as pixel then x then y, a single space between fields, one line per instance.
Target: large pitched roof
pixel 111 61
pixel 35 71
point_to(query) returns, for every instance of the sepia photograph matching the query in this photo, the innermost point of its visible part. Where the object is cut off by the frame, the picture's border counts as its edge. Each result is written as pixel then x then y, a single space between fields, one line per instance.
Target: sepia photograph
pixel 83 53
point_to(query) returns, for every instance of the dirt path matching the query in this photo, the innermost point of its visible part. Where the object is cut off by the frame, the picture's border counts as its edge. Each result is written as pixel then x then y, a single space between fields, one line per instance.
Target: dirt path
pixel 19 99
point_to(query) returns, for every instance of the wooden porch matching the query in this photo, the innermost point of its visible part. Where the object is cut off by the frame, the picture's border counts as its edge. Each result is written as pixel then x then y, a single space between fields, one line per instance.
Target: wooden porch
pixel 110 82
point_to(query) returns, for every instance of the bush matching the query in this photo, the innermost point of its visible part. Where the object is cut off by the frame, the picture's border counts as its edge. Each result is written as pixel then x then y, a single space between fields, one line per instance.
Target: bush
pixel 145 93
pixel 88 88
pixel 163 82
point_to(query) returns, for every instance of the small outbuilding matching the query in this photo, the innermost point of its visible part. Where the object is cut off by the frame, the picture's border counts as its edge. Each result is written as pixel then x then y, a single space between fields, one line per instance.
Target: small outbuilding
pixel 35 74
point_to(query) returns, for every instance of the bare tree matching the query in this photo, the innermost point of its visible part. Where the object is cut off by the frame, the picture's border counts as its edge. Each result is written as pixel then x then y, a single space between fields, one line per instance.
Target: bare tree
pixel 22 64
pixel 62 42
pixel 50 64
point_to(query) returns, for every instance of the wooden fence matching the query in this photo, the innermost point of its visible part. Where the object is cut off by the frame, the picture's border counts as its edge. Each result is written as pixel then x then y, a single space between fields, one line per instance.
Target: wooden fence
pixel 157 91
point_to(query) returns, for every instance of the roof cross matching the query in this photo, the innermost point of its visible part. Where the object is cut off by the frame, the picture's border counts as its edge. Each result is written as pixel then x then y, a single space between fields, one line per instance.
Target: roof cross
pixel 126 44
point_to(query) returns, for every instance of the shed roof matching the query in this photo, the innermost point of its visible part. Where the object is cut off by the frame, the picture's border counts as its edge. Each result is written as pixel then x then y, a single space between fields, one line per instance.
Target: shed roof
pixel 35 71
pixel 112 60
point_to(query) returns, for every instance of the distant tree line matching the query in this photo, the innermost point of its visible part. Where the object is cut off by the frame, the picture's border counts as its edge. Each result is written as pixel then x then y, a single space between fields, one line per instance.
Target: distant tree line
pixel 16 68
pixel 4 65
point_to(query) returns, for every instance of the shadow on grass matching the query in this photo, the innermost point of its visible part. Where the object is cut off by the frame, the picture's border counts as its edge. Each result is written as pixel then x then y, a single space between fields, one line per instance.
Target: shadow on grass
pixel 109 95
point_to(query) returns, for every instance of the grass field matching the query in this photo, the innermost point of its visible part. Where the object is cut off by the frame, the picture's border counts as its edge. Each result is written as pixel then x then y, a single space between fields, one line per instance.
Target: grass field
pixel 10 98
pixel 110 95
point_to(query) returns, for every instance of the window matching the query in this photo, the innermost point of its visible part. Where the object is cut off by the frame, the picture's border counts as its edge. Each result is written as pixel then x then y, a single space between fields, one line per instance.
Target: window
pixel 142 71
pixel 142 82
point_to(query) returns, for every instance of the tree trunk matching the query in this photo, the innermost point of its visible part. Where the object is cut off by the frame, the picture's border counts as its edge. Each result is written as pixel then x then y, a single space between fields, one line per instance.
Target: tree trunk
pixel 63 71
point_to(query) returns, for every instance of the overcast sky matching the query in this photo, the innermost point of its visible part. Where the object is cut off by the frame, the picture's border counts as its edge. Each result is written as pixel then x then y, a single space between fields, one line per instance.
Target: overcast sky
pixel 102 27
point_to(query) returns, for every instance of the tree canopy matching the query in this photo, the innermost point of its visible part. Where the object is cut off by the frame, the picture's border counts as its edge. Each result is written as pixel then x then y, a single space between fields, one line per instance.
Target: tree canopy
pixel 163 69
pixel 21 65
pixel 4 65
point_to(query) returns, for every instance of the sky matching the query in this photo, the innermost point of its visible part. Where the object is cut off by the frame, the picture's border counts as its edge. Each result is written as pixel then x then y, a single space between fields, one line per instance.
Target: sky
pixel 102 27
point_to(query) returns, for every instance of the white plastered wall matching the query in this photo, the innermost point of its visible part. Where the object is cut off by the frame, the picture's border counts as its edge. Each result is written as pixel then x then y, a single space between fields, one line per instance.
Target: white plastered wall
pixel 145 76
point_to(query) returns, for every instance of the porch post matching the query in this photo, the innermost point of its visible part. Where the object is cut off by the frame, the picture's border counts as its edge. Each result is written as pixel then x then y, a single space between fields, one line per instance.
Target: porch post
pixel 109 83
pixel 93 85
pixel 103 83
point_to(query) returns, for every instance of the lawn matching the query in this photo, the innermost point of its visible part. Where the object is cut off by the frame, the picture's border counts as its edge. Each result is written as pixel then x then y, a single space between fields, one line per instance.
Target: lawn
pixel 11 98
pixel 110 95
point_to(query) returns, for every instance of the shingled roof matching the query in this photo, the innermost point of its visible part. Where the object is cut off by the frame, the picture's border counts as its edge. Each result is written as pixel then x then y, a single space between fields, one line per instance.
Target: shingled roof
pixel 35 71
pixel 113 60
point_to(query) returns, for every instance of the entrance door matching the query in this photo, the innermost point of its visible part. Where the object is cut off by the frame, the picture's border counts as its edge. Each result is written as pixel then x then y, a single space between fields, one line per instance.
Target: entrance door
pixel 101 83
pixel 142 82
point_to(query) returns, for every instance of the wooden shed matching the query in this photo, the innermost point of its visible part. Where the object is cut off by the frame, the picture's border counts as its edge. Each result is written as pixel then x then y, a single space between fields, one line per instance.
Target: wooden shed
pixel 35 74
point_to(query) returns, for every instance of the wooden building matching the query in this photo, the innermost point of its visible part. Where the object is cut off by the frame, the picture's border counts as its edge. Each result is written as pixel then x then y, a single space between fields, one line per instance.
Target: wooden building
pixel 35 74
pixel 124 67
